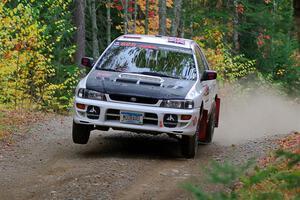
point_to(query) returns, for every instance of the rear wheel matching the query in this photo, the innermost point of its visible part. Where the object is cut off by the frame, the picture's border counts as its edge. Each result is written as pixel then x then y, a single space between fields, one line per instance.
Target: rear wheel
pixel 189 145
pixel 81 133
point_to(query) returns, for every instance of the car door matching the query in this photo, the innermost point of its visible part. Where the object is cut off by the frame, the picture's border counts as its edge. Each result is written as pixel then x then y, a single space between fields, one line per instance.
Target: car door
pixel 208 87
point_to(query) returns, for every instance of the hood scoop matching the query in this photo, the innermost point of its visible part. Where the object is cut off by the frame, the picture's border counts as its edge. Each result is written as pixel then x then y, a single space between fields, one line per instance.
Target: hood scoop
pixel 125 80
pixel 140 79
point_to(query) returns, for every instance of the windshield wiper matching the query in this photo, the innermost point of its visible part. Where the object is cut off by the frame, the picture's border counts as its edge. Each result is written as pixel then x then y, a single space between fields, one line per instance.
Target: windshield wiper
pixel 155 74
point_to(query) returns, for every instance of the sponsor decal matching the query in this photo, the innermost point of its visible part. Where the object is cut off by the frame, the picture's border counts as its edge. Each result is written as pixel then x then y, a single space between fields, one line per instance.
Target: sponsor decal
pixel 206 90
pixel 176 40
pixel 133 44
pixel 127 44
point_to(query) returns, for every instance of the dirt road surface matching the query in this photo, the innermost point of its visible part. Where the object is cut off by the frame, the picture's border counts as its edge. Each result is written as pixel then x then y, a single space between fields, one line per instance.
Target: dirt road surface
pixel 45 164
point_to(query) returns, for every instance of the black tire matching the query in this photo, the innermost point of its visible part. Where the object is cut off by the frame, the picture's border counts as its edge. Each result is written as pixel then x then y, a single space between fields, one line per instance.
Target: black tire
pixel 81 133
pixel 189 145
pixel 211 126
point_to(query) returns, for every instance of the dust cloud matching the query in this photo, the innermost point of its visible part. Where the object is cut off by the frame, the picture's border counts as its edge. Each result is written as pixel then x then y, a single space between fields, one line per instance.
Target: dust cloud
pixel 256 115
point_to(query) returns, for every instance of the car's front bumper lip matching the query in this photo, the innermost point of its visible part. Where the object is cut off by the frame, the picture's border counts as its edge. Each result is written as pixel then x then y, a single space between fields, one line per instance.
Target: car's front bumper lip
pixel 188 127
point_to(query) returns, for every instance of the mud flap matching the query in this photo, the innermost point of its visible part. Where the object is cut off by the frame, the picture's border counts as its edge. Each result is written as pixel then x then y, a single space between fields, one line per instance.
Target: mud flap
pixel 203 126
pixel 218 105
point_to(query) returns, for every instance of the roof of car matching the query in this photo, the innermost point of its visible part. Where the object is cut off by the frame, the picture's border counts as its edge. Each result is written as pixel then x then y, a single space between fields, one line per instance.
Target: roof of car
pixel 157 39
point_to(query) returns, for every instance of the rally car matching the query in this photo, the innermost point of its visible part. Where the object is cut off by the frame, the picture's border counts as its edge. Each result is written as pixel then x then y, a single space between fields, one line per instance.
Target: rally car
pixel 152 85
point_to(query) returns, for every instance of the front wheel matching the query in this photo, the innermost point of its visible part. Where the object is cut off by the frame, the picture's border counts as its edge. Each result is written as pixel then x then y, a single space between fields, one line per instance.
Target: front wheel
pixel 189 145
pixel 81 133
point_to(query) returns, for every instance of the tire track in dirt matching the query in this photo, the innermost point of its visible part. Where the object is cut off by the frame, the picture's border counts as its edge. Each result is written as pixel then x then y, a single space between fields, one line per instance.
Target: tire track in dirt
pixel 113 165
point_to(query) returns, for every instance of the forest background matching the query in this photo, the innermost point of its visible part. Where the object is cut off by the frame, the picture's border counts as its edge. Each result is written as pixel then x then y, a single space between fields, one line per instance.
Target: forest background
pixel 42 42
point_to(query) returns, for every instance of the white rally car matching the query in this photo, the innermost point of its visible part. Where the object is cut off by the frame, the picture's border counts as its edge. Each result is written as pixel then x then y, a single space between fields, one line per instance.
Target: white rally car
pixel 149 84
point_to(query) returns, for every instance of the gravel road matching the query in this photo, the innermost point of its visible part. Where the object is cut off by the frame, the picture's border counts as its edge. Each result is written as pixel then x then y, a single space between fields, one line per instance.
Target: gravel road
pixel 45 164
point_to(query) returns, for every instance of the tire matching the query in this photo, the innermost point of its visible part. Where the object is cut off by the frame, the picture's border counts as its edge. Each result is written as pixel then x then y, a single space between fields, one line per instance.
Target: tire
pixel 189 145
pixel 211 126
pixel 81 133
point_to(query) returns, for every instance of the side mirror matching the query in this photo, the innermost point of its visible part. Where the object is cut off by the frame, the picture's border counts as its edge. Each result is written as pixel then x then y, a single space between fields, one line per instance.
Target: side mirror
pixel 87 62
pixel 209 75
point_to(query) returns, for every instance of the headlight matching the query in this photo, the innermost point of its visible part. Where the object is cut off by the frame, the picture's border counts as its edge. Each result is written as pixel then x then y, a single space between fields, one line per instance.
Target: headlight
pixel 179 104
pixel 91 94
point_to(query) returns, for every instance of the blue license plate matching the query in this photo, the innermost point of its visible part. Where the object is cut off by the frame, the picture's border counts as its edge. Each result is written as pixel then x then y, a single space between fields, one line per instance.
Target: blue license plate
pixel 127 117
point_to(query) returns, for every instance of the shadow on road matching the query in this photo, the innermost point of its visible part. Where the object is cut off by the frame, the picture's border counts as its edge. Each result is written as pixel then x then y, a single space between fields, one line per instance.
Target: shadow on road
pixel 129 145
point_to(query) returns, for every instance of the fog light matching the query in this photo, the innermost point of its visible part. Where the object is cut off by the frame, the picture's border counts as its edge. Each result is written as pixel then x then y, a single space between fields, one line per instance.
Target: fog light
pixel 186 117
pixel 80 106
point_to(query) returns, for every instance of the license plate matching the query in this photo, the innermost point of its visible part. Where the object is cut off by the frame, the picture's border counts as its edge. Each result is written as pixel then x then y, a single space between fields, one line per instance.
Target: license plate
pixel 131 117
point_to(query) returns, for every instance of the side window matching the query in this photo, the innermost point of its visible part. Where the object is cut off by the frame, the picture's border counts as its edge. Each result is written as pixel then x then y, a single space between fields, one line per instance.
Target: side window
pixel 204 60
pixel 200 63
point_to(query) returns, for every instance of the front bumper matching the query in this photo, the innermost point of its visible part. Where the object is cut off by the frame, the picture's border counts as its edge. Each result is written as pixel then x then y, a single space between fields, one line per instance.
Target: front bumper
pixel 153 120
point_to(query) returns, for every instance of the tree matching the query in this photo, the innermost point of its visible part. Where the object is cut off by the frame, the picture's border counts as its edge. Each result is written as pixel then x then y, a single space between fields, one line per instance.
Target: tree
pixel 108 21
pixel 162 17
pixel 79 17
pixel 135 16
pixel 93 14
pixel 296 5
pixel 125 16
pixel 236 43
pixel 176 17
pixel 147 17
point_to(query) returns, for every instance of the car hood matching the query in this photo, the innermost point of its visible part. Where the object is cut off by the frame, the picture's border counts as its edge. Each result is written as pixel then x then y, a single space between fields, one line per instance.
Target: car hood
pixel 138 85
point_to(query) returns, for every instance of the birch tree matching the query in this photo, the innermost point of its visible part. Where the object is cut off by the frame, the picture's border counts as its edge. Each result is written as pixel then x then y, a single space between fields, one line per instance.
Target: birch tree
pixel 176 17
pixel 125 16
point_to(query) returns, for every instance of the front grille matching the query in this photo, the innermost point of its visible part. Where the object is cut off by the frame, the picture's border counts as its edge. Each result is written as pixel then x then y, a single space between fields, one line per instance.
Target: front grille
pixel 133 99
pixel 149 118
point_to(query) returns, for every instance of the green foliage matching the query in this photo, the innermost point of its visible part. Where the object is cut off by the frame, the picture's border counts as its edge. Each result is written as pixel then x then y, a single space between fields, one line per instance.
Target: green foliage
pixel 277 181
pixel 267 35
pixel 33 46
pixel 230 67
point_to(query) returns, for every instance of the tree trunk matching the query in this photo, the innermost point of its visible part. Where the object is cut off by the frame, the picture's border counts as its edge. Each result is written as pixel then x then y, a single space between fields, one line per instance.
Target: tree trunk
pixel 93 14
pixel 108 21
pixel 162 17
pixel 235 28
pixel 135 16
pixel 80 33
pixel 176 17
pixel 297 18
pixel 125 16
pixel 146 18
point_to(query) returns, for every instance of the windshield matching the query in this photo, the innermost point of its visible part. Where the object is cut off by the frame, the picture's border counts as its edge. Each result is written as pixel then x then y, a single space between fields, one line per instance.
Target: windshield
pixel 149 59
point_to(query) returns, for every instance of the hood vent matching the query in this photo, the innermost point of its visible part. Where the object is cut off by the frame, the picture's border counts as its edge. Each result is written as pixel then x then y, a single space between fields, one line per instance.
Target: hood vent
pixel 174 86
pixel 125 80
pixel 141 77
pixel 150 83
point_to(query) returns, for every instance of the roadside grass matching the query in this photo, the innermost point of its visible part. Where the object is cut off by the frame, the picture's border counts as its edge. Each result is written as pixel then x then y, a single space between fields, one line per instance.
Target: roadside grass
pixel 276 176
pixel 16 122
